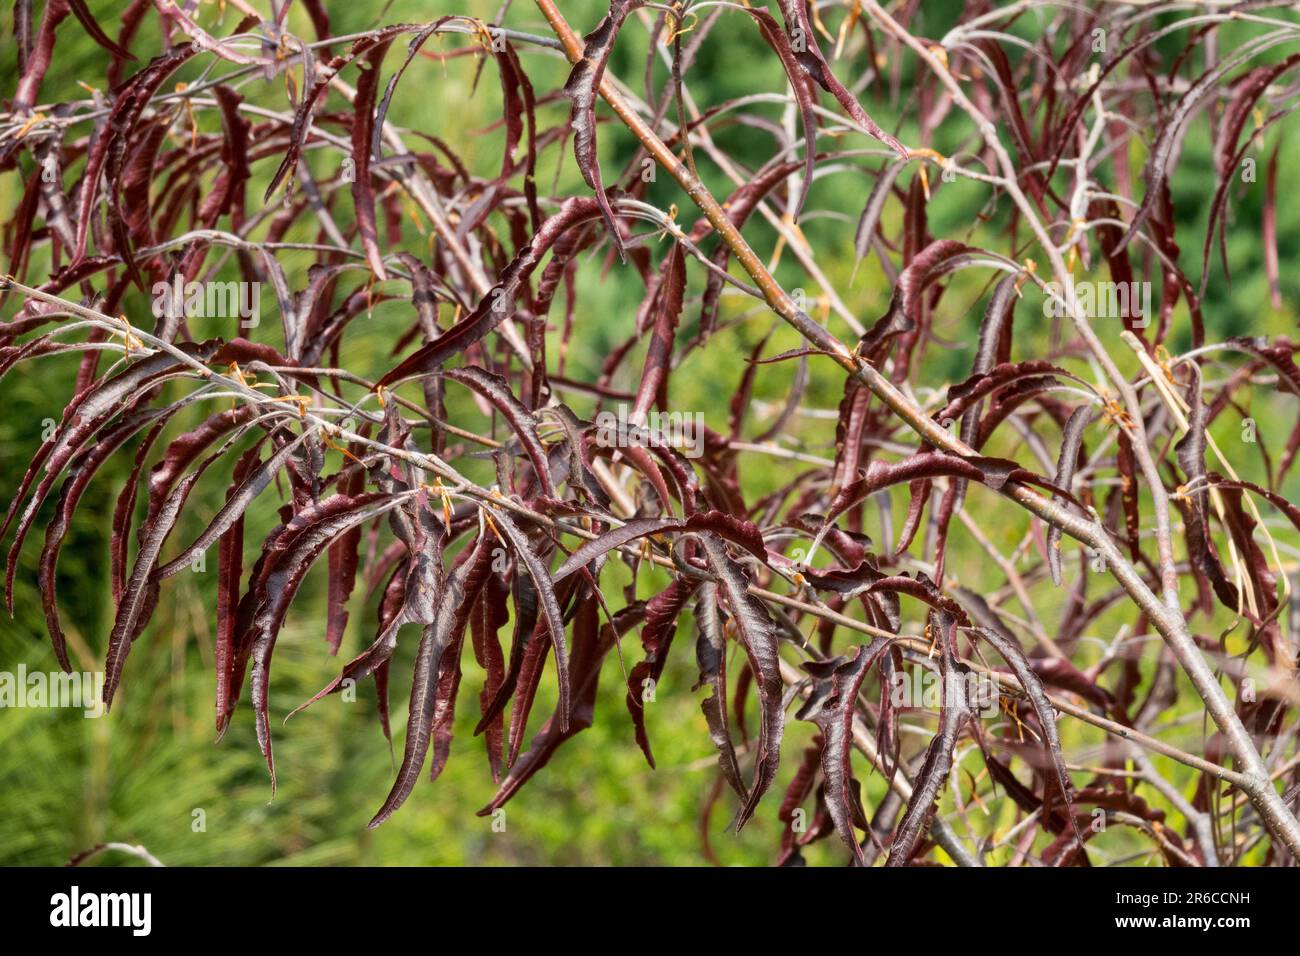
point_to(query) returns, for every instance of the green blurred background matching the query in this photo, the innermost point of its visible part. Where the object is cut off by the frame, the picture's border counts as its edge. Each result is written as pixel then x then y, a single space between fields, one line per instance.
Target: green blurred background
pixel 140 774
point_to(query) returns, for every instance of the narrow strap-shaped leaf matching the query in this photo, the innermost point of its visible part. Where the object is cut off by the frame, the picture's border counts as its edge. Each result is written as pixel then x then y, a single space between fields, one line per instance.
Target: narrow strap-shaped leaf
pixel 1071 441
pixel 668 311
pixel 449 622
pixel 363 130
pixel 657 635
pixel 236 504
pixel 141 591
pixel 449 671
pixel 582 88
pixel 736 530
pixel 1033 687
pixel 759 636
pixel 711 657
pixel 550 607
pixel 591 642
pixel 289 557
pixel 499 302
pixel 795 14
pixel 80 474
pixel 85 415
pixel 953 715
pixel 497 391
pixel 485 626
pixel 832 708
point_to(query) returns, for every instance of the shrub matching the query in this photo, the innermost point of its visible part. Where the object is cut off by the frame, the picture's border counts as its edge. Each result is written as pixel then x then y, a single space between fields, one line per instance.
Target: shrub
pixel 489 479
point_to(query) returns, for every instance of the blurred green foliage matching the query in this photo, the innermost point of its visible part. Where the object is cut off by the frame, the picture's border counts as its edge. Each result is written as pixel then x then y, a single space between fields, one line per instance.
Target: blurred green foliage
pixel 143 773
